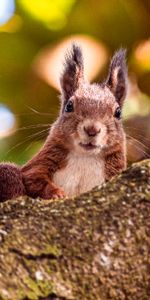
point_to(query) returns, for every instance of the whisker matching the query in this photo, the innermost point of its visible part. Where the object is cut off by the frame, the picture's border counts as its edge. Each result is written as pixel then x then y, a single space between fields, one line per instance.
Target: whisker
pixel 135 128
pixel 133 138
pixel 30 145
pixel 24 114
pixel 30 127
pixel 27 139
pixel 141 136
pixel 37 112
pixel 147 155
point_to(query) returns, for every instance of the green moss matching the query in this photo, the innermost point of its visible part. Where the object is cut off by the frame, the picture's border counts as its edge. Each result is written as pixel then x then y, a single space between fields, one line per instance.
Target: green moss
pixel 90 247
pixel 45 287
pixel 53 250
pixel 36 289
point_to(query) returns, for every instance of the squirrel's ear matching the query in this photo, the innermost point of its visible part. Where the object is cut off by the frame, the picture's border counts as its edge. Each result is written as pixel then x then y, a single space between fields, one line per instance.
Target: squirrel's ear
pixel 72 74
pixel 117 77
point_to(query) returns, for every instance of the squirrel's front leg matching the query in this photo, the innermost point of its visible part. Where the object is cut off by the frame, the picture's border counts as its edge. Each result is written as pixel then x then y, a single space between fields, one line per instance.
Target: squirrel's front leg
pixel 38 184
pixel 51 191
pixel 38 172
pixel 115 163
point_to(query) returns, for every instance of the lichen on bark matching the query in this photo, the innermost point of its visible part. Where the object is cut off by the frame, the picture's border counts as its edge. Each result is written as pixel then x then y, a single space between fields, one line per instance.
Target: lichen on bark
pixel 95 246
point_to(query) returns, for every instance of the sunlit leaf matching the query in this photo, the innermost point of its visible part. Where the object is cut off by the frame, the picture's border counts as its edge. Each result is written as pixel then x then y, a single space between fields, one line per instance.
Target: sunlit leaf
pixel 52 13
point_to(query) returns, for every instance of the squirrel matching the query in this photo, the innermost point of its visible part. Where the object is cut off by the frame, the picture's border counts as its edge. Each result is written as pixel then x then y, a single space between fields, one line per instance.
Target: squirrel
pixel 86 145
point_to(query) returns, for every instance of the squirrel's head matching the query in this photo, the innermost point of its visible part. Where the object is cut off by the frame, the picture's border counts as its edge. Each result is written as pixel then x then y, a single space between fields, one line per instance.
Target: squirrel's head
pixel 90 116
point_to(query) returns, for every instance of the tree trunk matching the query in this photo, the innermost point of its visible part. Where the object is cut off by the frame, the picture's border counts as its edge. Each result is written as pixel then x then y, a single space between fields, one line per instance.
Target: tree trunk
pixel 92 247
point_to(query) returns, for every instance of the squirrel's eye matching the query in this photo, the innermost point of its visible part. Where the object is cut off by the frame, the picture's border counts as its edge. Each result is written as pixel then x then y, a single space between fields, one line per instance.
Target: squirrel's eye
pixel 69 107
pixel 117 113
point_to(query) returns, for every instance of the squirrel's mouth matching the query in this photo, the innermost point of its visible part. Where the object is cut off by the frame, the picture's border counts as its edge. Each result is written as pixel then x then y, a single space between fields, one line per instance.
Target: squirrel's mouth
pixel 88 146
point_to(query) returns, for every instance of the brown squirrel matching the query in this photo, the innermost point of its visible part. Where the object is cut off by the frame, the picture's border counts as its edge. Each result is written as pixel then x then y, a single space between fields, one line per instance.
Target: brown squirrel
pixel 86 145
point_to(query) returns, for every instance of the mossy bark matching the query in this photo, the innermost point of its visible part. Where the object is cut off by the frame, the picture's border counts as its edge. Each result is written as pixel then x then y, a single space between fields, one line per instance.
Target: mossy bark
pixel 92 247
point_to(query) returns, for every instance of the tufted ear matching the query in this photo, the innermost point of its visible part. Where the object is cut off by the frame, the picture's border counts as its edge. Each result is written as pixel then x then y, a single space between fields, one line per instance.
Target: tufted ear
pixel 117 77
pixel 72 74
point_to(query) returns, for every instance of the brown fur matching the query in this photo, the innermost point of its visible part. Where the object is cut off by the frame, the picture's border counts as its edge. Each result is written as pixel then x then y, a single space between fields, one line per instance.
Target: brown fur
pixel 38 172
pixel 11 184
pixel 90 133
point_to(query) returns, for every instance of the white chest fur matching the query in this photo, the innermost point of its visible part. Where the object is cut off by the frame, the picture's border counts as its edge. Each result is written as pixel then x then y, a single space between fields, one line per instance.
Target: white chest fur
pixel 81 174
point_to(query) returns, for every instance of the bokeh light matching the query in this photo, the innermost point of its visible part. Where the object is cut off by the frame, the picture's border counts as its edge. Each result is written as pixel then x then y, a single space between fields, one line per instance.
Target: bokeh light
pixel 142 55
pixel 7 8
pixel 7 121
pixel 53 14
pixel 49 63
pixel 13 25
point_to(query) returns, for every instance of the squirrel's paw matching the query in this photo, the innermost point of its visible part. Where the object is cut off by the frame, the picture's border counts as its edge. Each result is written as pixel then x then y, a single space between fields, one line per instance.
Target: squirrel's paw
pixel 58 193
pixel 53 193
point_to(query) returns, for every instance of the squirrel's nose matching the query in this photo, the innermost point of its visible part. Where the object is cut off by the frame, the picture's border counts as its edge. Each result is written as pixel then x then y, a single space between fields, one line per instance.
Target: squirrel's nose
pixel 91 130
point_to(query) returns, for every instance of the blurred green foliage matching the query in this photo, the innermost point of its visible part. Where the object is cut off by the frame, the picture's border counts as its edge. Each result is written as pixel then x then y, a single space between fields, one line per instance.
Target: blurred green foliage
pixel 37 24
